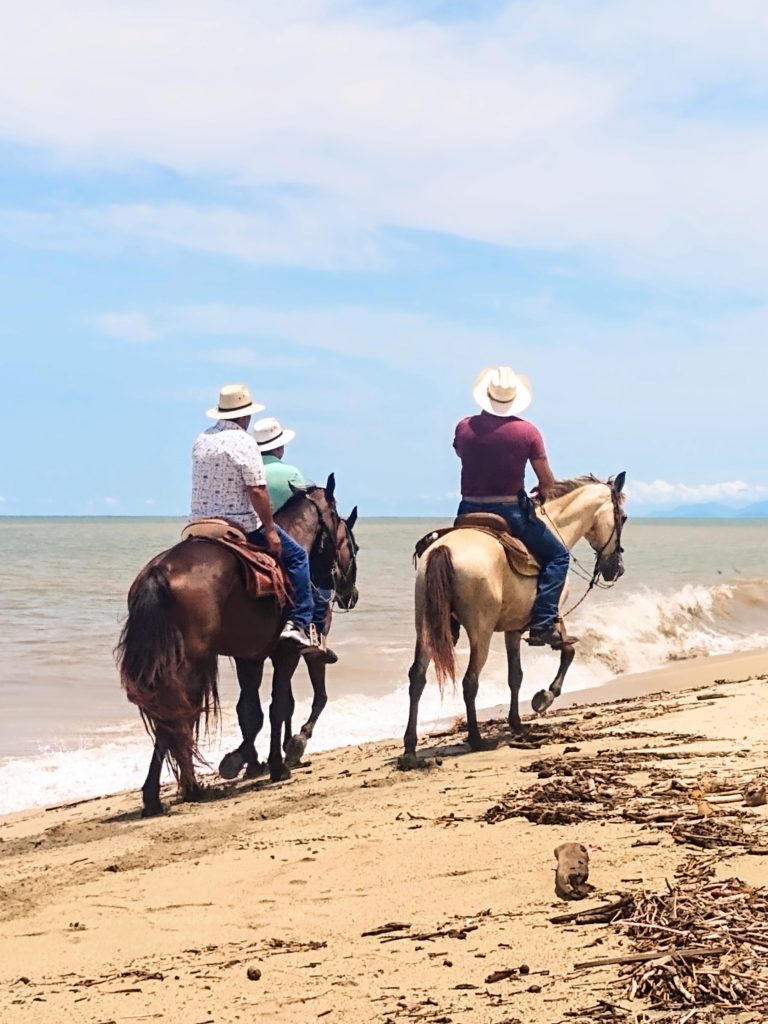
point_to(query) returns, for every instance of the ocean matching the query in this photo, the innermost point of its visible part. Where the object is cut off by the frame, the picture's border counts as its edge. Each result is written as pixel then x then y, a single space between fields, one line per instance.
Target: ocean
pixel 692 587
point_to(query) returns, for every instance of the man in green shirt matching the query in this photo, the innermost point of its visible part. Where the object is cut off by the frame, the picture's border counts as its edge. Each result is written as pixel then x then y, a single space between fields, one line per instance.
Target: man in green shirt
pixel 282 478
pixel 272 438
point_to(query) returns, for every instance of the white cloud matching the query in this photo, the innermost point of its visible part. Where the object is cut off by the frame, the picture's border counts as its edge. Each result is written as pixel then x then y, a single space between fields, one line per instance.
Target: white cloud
pixel 663 493
pixel 553 124
pixel 129 326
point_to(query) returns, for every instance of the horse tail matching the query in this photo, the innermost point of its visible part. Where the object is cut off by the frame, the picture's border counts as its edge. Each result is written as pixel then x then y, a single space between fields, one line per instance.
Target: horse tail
pixel 435 633
pixel 151 658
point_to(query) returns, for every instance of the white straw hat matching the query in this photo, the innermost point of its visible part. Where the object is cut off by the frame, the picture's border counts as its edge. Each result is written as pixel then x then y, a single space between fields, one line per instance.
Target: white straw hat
pixel 270 434
pixel 234 401
pixel 502 392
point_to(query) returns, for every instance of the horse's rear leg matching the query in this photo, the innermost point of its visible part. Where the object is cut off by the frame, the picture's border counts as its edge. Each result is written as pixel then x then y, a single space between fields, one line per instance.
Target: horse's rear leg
pixel 250 718
pixel 417 675
pixel 478 655
pixel 294 750
pixel 545 698
pixel 202 681
pixel 514 678
pixel 285 662
pixel 150 791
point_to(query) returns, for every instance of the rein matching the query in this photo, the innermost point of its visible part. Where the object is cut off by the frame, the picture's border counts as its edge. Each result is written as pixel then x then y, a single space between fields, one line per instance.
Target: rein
pixel 339 577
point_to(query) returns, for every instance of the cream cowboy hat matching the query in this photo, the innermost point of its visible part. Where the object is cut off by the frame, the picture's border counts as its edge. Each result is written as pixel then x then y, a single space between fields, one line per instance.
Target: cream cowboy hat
pixel 502 392
pixel 234 401
pixel 270 435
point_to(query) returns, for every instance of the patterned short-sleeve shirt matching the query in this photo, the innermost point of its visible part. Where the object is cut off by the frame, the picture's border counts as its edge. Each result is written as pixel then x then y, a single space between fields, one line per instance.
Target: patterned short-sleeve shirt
pixel 226 461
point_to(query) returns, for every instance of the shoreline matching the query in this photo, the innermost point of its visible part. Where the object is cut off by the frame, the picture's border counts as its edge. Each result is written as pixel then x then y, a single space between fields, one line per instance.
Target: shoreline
pixel 269 899
pixel 672 677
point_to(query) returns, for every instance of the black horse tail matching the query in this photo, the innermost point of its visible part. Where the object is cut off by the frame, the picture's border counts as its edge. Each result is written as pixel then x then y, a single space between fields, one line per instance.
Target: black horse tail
pixel 436 636
pixel 153 668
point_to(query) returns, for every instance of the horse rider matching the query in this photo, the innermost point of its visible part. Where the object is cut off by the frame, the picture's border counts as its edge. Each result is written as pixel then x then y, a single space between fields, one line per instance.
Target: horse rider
pixel 228 480
pixel 495 447
pixel 283 480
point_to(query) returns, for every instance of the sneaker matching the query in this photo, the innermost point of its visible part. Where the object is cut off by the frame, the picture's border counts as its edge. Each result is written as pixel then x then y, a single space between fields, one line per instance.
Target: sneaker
pixel 541 636
pixel 297 635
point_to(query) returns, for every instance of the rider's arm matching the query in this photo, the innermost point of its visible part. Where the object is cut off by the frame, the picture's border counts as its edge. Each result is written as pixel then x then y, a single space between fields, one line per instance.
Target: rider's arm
pixel 544 475
pixel 262 506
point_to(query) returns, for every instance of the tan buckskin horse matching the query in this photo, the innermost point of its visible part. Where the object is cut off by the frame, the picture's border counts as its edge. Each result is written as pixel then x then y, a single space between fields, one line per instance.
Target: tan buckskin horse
pixel 464 579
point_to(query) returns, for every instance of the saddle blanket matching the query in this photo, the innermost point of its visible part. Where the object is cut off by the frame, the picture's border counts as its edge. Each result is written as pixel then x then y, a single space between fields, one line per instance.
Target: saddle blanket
pixel 519 558
pixel 262 575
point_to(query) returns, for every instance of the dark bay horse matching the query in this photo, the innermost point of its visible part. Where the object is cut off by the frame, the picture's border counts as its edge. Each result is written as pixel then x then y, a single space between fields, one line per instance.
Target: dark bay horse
pixel 332 570
pixel 187 607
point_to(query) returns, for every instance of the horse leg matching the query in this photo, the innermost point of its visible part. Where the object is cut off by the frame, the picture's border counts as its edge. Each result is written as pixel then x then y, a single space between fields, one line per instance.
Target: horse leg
pixel 478 655
pixel 250 718
pixel 294 750
pixel 291 704
pixel 202 680
pixel 417 676
pixel 285 662
pixel 514 678
pixel 545 698
pixel 150 791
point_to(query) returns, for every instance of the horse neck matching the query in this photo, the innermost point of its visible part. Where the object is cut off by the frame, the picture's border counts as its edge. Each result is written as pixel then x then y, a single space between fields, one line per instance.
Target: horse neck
pixel 299 519
pixel 573 514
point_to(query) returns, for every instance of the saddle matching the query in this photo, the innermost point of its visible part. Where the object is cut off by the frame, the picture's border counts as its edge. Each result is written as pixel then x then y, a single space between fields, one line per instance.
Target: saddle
pixel 519 558
pixel 262 575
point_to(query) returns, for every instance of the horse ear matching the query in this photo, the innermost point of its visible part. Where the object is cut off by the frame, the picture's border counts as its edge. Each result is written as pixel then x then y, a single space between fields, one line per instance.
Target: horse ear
pixel 352 518
pixel 330 487
pixel 618 483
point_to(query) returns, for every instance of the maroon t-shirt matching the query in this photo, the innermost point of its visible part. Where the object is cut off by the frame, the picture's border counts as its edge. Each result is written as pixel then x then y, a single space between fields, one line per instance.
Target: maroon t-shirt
pixel 494 451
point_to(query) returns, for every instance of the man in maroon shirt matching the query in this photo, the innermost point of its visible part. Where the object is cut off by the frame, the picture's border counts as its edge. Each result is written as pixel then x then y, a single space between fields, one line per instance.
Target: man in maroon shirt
pixel 494 448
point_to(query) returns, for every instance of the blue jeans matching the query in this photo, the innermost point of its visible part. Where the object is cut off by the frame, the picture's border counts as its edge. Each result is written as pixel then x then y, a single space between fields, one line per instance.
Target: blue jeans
pixel 548 549
pixel 322 598
pixel 295 561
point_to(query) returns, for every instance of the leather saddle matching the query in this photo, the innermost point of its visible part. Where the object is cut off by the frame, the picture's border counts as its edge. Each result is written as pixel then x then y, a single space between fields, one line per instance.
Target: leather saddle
pixel 262 576
pixel 215 529
pixel 519 558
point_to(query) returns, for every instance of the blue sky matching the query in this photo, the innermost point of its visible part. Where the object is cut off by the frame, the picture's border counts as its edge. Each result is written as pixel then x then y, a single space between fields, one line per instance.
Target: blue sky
pixel 355 207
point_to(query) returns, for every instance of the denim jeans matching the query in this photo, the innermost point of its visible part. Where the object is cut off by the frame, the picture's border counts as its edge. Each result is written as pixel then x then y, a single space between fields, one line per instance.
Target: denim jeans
pixel 548 549
pixel 322 598
pixel 295 561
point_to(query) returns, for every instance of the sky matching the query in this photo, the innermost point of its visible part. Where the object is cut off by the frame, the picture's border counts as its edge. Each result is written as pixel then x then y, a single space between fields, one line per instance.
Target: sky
pixel 354 207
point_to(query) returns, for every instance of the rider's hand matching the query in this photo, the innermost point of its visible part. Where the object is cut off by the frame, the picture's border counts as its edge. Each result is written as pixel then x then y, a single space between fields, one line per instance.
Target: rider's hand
pixel 274 547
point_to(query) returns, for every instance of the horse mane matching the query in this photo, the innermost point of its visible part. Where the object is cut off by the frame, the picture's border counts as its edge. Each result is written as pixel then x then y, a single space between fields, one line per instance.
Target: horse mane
pixel 299 495
pixel 561 487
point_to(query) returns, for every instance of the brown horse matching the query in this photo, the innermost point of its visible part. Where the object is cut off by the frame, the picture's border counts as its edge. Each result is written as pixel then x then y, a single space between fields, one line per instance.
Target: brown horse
pixel 335 575
pixel 187 607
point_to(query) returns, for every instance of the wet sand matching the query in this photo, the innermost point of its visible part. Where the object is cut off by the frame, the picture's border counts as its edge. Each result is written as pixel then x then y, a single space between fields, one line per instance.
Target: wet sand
pixel 254 905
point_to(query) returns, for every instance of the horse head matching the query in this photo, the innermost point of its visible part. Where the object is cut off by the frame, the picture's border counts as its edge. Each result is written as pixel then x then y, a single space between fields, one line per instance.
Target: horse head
pixel 342 543
pixel 605 533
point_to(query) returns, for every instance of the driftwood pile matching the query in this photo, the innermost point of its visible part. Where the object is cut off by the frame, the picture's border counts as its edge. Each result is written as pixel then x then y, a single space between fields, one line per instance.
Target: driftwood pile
pixel 705 812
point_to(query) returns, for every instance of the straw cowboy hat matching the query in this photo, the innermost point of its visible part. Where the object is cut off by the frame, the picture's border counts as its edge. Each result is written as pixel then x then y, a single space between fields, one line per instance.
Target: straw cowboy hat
pixel 270 435
pixel 234 401
pixel 501 391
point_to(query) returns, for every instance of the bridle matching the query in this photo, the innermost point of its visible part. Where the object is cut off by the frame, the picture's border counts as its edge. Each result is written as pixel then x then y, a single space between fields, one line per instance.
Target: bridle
pixel 341 579
pixel 592 578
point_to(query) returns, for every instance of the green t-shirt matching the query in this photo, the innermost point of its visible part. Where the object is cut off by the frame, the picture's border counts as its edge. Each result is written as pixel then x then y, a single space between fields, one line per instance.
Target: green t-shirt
pixel 280 476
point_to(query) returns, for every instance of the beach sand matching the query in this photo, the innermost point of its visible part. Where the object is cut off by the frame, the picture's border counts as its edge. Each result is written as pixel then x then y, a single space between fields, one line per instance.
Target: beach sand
pixel 108 918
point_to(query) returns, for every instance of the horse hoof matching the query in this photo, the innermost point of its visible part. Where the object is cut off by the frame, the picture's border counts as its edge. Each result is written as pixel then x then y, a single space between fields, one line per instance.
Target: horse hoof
pixel 480 745
pixel 152 810
pixel 255 770
pixel 193 795
pixel 280 773
pixel 231 765
pixel 294 750
pixel 409 762
pixel 542 700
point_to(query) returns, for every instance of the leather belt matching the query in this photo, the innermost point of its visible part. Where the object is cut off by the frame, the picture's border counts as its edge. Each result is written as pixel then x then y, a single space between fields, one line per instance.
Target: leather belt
pixel 492 500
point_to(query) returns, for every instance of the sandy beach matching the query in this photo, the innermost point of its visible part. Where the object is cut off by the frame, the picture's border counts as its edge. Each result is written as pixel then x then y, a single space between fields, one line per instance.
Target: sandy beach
pixel 255 905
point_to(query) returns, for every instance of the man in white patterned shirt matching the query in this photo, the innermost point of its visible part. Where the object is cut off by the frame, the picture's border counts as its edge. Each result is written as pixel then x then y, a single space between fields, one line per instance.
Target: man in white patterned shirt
pixel 228 480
